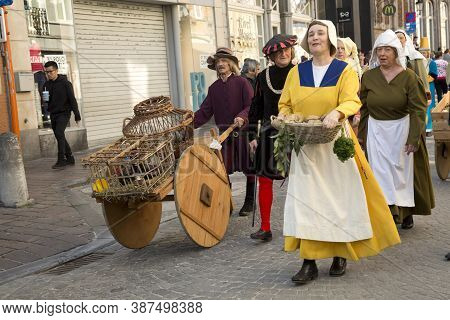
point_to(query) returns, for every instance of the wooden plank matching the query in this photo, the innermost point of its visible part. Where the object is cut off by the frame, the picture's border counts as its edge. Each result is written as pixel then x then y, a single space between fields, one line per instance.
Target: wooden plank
pixel 201 224
pixel 214 170
pixel 442 104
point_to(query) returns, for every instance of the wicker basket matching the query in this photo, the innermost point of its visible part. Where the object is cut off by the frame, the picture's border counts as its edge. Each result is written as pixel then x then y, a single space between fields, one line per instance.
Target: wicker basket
pixel 154 105
pixel 131 168
pixel 308 133
pixel 174 123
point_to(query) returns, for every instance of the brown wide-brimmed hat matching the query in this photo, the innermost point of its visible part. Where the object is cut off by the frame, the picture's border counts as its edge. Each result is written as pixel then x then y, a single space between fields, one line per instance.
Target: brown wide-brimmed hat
pixel 221 53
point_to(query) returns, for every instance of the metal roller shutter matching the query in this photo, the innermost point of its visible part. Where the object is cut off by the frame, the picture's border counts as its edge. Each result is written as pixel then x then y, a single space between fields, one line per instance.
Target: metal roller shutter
pixel 122 60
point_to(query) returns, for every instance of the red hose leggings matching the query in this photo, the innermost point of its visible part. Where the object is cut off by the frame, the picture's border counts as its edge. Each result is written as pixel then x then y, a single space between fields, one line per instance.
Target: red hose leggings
pixel 265 201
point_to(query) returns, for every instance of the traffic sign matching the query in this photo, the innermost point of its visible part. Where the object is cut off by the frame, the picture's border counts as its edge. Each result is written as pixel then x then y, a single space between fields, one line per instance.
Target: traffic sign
pixel 410 27
pixel 389 10
pixel 6 2
pixel 410 17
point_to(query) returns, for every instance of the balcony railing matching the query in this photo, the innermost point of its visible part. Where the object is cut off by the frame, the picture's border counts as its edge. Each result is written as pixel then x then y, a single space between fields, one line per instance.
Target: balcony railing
pixel 37 21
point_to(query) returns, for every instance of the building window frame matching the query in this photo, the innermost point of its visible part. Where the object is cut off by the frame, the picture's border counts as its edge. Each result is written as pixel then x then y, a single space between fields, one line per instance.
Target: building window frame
pixel 444 24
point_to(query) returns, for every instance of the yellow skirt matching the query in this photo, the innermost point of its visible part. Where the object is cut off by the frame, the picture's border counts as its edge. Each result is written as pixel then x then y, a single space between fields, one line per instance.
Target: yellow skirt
pixel 385 232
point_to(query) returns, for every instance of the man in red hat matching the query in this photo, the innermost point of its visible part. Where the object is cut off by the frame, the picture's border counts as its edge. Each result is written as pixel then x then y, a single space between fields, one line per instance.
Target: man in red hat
pixel 229 100
pixel 269 84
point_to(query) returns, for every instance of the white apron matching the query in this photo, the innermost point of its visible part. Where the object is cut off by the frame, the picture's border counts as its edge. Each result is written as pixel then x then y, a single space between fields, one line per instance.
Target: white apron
pixel 325 199
pixel 392 167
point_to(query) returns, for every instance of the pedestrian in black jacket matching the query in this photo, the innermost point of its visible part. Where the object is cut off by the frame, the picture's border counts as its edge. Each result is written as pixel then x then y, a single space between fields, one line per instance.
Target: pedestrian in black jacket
pixel 58 91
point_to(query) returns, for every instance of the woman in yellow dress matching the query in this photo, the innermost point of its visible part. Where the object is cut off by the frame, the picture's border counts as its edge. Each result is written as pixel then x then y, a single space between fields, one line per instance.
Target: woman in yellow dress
pixel 333 209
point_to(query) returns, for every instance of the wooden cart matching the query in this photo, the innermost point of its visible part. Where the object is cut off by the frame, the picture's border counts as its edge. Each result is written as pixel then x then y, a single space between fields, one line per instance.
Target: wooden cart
pixel 441 132
pixel 202 196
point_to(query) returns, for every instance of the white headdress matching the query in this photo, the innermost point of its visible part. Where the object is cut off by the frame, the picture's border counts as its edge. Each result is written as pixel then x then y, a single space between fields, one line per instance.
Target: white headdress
pixel 410 51
pixel 332 35
pixel 387 39
pixel 351 50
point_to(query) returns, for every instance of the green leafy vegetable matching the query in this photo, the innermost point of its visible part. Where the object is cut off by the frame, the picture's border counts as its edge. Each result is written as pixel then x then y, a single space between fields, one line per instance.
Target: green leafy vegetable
pixel 344 147
pixel 284 143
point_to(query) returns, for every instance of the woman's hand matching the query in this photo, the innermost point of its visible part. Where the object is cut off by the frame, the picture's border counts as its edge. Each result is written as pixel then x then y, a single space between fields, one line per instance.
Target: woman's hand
pixel 253 145
pixel 239 121
pixel 332 119
pixel 409 148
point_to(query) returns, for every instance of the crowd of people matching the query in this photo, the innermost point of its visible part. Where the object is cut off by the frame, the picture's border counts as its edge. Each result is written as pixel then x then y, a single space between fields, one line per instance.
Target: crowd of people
pixel 341 210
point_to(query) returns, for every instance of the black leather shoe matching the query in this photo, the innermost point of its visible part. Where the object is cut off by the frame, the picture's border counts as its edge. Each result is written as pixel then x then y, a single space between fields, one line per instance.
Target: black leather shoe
pixel 338 267
pixel 59 165
pixel 307 273
pixel 70 160
pixel 246 209
pixel 408 222
pixel 262 235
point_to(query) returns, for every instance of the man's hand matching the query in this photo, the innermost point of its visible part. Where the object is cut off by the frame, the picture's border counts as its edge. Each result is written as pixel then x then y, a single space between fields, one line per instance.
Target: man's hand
pixel 239 121
pixel 332 119
pixel 409 148
pixel 253 145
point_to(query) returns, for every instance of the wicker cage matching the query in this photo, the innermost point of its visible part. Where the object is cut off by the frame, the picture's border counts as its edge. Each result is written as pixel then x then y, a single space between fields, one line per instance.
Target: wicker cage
pixel 176 123
pixel 131 168
pixel 308 132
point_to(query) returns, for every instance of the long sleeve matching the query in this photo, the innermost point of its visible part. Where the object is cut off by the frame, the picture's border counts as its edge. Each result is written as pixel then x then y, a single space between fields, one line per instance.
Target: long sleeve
pixel 417 106
pixel 73 101
pixel 204 113
pixel 247 95
pixel 256 112
pixel 362 128
pixel 285 103
pixel 421 71
pixel 348 100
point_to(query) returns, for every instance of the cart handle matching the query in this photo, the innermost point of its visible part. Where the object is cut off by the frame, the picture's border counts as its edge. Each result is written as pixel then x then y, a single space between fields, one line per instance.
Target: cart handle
pixel 227 132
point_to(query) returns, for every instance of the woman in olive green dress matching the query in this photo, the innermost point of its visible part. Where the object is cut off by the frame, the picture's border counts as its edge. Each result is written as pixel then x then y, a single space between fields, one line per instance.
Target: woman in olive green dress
pixel 414 59
pixel 392 130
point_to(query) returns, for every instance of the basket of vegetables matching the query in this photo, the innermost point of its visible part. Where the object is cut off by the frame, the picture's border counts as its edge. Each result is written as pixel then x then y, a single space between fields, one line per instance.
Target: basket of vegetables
pixel 307 130
pixel 295 131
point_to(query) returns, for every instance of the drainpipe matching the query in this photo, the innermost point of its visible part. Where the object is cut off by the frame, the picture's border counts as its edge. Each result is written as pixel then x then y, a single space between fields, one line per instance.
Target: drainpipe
pixel 178 63
pixel 11 81
pixel 267 20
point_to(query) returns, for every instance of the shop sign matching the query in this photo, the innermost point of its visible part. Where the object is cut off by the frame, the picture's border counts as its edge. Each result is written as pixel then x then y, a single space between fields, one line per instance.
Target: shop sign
pixel 203 59
pixel 344 15
pixel 60 59
pixel 389 10
pixel 243 31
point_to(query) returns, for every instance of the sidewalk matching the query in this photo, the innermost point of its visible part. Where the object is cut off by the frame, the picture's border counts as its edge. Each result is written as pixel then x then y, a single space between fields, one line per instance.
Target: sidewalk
pixel 58 220
pixel 64 222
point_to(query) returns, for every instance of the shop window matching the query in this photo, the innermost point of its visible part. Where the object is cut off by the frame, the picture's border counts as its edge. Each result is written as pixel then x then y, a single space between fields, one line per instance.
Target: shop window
pixel 198 41
pixel 56 44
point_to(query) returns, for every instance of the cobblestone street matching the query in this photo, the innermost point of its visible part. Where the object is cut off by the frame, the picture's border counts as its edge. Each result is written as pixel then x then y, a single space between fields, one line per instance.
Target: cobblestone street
pixel 173 267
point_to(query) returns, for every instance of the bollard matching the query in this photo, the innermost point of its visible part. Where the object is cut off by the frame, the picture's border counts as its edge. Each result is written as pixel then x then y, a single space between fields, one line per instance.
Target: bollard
pixel 13 184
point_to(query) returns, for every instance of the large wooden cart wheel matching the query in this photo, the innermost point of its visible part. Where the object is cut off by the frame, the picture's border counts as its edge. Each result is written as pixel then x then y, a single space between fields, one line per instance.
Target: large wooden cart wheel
pixel 442 159
pixel 133 226
pixel 202 195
